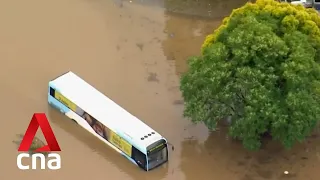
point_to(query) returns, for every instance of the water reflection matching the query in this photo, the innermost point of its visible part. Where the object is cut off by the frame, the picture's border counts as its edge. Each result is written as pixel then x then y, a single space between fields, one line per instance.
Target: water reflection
pixel 185 36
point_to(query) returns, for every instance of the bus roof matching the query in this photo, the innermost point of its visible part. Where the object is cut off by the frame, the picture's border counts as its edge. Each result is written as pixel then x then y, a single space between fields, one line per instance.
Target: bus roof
pixel 104 109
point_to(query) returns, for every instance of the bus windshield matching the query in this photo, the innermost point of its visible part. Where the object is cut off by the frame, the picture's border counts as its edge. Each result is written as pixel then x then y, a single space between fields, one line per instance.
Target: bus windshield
pixel 157 158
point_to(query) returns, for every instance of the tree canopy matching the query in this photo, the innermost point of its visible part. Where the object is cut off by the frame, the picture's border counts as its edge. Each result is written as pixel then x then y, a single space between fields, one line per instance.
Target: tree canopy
pixel 261 69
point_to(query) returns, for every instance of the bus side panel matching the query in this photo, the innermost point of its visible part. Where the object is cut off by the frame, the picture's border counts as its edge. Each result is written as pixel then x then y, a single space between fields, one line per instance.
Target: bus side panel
pixel 66 111
pixel 87 127
pixel 54 102
pixel 129 158
pixel 58 105
pixel 66 105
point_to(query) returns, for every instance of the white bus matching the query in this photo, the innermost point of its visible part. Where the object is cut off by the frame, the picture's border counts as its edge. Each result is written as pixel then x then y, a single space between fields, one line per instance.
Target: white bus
pixel 108 121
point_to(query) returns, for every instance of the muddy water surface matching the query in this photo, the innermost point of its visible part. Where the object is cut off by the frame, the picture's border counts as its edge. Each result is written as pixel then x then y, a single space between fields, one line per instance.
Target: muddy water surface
pixel 133 54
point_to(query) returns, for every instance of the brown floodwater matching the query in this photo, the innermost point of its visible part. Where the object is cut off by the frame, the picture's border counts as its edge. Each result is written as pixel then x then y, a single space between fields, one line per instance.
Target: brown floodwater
pixel 134 54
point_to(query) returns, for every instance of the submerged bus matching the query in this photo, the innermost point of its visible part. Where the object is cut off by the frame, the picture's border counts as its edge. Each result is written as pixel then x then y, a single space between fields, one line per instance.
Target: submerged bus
pixel 107 121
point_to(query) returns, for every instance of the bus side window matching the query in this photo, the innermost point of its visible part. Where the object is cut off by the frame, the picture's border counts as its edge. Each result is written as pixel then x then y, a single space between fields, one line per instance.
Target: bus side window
pixel 139 157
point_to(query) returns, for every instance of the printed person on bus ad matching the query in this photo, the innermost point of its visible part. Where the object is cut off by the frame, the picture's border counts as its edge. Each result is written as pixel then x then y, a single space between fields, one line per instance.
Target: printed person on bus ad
pixel 97 126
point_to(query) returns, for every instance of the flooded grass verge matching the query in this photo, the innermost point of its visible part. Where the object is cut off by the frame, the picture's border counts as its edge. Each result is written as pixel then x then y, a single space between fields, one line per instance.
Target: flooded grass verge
pixel 36 143
pixel 201 8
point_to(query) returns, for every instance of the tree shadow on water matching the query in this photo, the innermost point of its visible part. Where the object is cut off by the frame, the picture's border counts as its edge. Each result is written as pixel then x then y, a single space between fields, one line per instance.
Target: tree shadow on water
pixel 207 159
pixel 220 157
pixel 273 159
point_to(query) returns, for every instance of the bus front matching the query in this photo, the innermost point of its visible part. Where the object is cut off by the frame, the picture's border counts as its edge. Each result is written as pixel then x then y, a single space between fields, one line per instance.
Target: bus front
pixel 157 154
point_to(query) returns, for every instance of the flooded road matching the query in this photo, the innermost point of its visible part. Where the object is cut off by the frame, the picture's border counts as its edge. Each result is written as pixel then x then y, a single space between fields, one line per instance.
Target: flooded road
pixel 133 54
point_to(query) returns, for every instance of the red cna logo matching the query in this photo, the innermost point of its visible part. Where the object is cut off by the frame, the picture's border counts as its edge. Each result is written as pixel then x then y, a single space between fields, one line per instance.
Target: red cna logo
pixel 39 120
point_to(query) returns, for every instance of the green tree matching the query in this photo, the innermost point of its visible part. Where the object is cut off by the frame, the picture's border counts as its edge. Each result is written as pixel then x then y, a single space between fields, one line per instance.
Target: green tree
pixel 261 69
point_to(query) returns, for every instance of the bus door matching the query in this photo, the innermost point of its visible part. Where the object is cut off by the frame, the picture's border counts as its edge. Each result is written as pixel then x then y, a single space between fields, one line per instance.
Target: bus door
pixel 139 157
